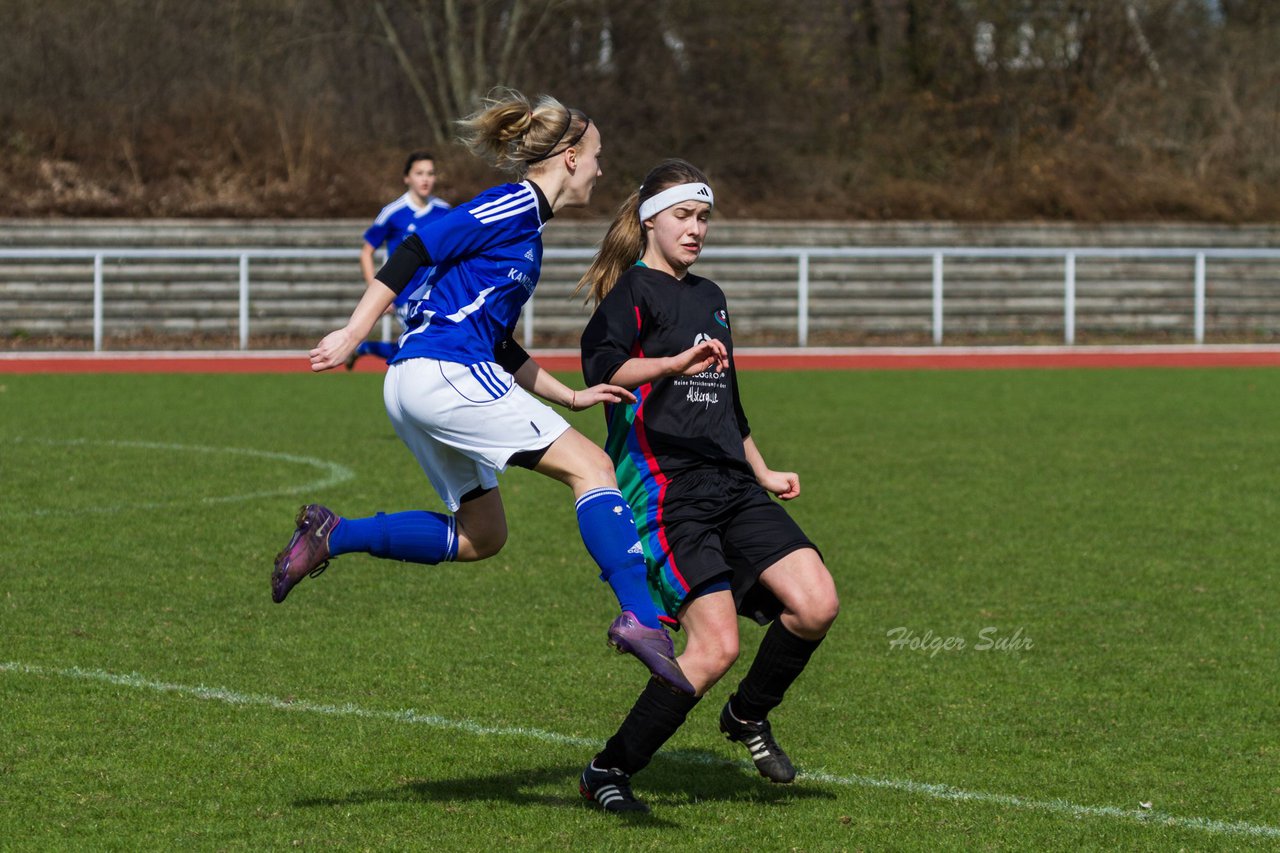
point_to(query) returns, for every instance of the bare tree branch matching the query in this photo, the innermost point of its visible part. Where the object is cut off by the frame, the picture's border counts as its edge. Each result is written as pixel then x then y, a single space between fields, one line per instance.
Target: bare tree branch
pixel 509 43
pixel 522 46
pixel 479 55
pixel 406 65
pixel 1144 46
pixel 435 55
pixel 458 88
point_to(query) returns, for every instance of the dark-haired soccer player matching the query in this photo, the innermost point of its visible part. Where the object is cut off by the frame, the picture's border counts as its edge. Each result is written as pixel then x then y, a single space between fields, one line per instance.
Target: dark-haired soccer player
pixel 394 223
pixel 716 543
pixel 460 391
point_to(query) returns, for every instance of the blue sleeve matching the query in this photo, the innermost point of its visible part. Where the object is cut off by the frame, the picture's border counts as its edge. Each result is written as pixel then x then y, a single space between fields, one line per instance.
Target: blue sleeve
pixel 375 235
pixel 460 234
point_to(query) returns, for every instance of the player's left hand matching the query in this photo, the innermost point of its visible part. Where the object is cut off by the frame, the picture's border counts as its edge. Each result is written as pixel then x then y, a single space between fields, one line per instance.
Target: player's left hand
pixel 706 355
pixel 784 484
pixel 588 397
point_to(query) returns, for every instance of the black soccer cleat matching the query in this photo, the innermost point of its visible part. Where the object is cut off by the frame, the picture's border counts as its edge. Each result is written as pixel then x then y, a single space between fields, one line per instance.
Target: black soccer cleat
pixel 609 789
pixel 769 758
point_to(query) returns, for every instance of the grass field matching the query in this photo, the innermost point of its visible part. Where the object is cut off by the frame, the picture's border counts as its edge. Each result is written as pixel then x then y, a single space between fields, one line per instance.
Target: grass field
pixel 1117 528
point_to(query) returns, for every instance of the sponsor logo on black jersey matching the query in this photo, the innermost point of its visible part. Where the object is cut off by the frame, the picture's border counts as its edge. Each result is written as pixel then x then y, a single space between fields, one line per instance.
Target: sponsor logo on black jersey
pixel 722 317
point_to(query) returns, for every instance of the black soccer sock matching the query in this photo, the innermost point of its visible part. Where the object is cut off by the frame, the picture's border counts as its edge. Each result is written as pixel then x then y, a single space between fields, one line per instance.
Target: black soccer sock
pixel 781 659
pixel 653 719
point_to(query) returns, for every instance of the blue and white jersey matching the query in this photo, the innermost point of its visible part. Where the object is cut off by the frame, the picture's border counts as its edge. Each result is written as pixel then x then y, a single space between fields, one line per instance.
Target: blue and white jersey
pixel 396 222
pixel 488 256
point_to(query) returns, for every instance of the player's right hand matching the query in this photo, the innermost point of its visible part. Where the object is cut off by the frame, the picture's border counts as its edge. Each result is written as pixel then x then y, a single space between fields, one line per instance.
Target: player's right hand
pixel 332 350
pixel 604 393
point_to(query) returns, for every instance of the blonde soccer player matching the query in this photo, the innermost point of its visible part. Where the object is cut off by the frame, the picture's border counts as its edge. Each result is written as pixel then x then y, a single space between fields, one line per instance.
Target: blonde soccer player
pixel 468 401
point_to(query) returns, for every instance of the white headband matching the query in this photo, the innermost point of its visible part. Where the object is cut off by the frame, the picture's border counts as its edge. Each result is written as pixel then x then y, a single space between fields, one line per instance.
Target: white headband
pixel 674 195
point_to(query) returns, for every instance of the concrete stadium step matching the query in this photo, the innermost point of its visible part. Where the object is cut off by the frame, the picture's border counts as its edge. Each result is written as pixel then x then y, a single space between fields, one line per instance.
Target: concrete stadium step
pixel 307 296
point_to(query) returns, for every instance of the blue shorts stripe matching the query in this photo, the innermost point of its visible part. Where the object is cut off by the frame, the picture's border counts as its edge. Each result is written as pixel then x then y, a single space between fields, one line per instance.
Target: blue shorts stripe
pixel 485 381
pixel 488 370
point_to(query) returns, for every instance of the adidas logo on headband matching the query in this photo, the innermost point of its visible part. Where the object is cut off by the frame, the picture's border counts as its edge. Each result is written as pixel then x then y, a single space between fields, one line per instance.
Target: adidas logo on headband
pixel 674 195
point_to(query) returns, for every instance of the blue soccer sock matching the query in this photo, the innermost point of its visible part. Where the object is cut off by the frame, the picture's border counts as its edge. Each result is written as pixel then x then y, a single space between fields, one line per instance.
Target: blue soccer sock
pixel 415 537
pixel 609 532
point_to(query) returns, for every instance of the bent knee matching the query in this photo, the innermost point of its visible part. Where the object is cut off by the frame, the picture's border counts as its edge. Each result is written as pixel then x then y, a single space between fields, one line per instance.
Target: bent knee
pixel 830 610
pixel 726 658
pixel 489 547
pixel 597 471
pixel 714 660
pixel 587 462
pixel 815 618
pixel 481 544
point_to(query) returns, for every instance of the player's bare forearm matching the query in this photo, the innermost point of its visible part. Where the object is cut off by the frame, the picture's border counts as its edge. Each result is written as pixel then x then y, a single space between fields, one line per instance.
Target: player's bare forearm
pixel 784 484
pixel 334 348
pixel 366 265
pixel 369 271
pixel 754 457
pixel 635 372
pixel 707 355
pixel 532 378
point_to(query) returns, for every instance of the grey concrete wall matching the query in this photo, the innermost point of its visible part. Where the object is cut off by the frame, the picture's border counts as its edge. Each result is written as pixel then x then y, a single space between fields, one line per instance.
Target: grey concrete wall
pixel 179 303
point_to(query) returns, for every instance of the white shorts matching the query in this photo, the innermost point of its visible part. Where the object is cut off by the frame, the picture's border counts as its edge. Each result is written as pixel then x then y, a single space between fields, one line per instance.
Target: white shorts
pixel 464 422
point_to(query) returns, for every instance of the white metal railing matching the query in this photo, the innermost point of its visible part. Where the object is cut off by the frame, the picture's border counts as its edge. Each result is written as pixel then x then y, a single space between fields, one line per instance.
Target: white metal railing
pixel 801 254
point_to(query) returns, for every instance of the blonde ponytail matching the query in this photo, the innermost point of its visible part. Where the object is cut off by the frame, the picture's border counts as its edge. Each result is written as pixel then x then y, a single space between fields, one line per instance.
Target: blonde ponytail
pixel 511 132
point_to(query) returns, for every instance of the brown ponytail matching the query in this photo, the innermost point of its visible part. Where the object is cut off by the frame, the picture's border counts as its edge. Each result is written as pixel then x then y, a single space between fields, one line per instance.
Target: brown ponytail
pixel 625 241
pixel 622 246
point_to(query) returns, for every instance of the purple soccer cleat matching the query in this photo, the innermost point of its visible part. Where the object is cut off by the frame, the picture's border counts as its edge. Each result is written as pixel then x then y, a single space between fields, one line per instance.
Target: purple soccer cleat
pixel 307 553
pixel 652 646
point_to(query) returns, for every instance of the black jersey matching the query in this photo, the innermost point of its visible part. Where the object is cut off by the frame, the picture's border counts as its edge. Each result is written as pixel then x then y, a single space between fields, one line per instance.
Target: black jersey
pixel 677 422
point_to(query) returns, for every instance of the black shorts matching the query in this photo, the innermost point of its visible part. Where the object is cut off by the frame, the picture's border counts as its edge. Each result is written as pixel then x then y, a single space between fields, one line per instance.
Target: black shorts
pixel 716 521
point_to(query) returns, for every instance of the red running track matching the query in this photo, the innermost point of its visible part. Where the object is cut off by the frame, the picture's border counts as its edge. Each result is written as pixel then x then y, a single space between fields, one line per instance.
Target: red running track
pixel 922 358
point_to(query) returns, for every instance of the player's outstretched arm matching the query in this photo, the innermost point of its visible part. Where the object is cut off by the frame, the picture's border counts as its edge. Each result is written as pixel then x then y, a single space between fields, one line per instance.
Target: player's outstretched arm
pixel 532 378
pixel 367 269
pixel 334 348
pixel 784 484
pixel 707 355
pixel 366 264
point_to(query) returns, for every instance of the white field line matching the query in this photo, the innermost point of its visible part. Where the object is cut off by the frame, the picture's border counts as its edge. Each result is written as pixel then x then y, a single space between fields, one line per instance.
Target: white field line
pixel 925 789
pixel 333 474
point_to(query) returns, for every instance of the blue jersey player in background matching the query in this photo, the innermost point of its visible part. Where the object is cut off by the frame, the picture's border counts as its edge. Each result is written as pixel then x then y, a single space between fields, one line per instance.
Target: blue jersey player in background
pixel 462 394
pixel 394 223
